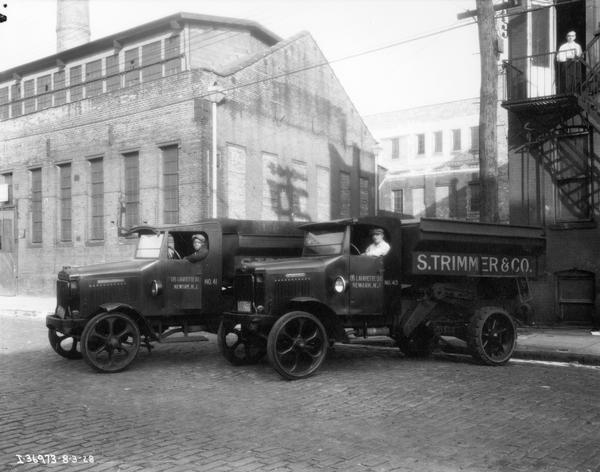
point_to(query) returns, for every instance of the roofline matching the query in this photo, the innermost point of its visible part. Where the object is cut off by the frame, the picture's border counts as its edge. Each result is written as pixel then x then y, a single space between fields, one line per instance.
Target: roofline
pixel 162 24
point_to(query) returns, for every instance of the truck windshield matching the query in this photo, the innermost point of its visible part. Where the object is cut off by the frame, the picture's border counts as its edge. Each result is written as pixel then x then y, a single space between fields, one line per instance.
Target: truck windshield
pixel 149 246
pixel 323 243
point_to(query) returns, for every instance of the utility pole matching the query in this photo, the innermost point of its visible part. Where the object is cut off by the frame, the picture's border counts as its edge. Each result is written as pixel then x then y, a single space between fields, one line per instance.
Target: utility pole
pixel 488 103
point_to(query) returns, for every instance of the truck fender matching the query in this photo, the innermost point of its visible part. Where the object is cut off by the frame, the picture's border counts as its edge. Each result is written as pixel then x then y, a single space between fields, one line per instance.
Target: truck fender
pixel 325 314
pixel 131 311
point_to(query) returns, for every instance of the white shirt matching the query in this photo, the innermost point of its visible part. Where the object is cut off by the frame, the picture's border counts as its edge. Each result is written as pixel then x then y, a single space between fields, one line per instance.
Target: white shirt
pixel 568 51
pixel 377 250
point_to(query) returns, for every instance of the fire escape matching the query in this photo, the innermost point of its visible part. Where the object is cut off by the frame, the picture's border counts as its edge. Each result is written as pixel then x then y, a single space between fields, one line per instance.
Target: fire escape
pixel 556 105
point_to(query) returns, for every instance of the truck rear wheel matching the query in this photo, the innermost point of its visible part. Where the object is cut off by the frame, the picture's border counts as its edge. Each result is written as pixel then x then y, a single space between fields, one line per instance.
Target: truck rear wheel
pixel 63 345
pixel 110 342
pixel 492 336
pixel 237 346
pixel 297 345
pixel 419 344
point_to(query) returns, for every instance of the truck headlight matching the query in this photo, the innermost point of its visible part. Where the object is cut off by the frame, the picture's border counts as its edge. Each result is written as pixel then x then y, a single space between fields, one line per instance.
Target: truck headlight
pixel 339 285
pixel 156 288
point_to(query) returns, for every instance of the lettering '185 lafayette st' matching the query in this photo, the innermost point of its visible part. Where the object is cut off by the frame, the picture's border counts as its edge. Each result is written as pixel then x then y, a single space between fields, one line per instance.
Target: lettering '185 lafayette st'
pixel 472 264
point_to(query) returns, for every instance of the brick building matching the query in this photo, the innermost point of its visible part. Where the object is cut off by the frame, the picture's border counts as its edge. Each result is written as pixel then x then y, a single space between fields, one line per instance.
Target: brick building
pixel 553 151
pixel 118 132
pixel 431 157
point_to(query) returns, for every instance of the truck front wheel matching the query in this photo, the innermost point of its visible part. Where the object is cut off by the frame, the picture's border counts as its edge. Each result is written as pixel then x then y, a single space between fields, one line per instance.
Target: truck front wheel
pixel 492 336
pixel 297 345
pixel 110 342
pixel 63 345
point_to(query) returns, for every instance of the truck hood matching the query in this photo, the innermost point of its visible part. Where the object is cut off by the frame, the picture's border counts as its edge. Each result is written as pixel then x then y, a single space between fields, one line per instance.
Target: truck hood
pixel 110 268
pixel 294 264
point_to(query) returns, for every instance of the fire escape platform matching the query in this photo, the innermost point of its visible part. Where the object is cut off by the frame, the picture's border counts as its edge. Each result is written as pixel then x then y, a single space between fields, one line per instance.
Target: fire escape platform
pixel 544 112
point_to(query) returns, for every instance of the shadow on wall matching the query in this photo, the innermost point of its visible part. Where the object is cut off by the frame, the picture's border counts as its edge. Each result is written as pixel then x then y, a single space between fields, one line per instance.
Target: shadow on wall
pixel 288 193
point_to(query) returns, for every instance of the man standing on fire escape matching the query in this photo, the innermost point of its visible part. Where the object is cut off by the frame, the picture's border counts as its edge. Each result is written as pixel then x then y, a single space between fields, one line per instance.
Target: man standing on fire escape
pixel 569 68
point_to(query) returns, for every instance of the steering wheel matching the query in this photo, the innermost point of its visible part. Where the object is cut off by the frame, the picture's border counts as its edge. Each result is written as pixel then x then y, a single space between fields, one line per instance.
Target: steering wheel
pixel 354 250
pixel 175 255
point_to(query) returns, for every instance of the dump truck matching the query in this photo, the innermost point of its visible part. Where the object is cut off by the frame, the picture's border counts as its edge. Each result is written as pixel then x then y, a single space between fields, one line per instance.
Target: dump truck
pixel 105 312
pixel 440 278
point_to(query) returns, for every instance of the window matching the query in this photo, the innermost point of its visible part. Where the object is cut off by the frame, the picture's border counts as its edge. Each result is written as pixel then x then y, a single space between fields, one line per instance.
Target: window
pixel 132 189
pixel 323 194
pixel 418 201
pixel 438 141
pixel 299 191
pixel 395 148
pixel 474 197
pixel 15 97
pixel 36 205
pixel 474 138
pixel 44 92
pixel 8 181
pixel 172 56
pixel 151 61
pixel 4 103
pixel 74 80
pixel 60 93
pixel 442 202
pixel 93 78
pixel 132 63
pixel 236 181
pixel 171 184
pixel 420 144
pixel 398 201
pixel 29 92
pixel 344 194
pixel 113 77
pixel 456 144
pixel 65 203
pixel 97 199
pixel 364 196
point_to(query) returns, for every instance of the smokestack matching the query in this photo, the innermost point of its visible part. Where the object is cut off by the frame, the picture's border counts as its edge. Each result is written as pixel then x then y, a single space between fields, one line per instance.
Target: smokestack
pixel 72 23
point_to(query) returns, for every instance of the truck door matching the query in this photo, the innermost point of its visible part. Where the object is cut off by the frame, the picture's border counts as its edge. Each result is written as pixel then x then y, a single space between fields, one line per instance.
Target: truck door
pixel 365 276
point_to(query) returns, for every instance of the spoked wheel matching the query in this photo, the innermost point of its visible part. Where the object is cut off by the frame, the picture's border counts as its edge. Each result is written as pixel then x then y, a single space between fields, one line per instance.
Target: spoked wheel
pixel 419 344
pixel 238 346
pixel 110 342
pixel 492 336
pixel 63 345
pixel 297 345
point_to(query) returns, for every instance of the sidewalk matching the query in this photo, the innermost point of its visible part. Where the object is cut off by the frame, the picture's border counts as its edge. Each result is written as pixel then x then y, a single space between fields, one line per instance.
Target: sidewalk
pixel 547 344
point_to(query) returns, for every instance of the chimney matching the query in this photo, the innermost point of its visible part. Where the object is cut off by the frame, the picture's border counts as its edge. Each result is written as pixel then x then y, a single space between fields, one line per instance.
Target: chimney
pixel 72 23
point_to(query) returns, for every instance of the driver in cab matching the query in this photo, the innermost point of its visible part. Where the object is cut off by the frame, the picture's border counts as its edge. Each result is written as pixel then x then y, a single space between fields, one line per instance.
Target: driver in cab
pixel 378 248
pixel 200 249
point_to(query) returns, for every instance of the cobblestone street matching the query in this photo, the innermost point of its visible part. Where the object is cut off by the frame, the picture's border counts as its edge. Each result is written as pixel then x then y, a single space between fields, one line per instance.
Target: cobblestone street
pixel 184 408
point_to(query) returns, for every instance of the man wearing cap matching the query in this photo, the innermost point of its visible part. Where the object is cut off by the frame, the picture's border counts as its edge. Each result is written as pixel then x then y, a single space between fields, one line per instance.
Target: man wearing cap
pixel 378 247
pixel 200 250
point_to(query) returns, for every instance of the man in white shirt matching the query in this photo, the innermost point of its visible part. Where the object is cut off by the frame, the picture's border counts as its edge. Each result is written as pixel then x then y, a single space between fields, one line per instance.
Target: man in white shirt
pixel 570 50
pixel 378 247
pixel 569 69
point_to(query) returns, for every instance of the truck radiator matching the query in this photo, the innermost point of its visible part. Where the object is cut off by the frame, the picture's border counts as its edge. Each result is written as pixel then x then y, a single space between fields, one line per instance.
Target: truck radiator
pixel 286 288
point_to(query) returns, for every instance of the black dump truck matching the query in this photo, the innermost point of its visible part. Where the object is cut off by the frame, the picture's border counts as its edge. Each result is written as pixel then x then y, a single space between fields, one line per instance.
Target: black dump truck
pixel 104 312
pixel 440 278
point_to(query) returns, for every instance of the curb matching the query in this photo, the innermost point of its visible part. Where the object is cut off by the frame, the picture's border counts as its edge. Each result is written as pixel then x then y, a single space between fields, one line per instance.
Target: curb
pixel 525 353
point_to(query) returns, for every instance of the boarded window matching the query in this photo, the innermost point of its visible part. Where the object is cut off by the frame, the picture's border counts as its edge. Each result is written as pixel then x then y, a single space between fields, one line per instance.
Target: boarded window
pixel 65 203
pixel 364 196
pixel 323 194
pixel 60 93
pixel 132 189
pixel 4 103
pixel 36 205
pixel 171 183
pixel 152 67
pixel 456 144
pixel 345 202
pixel 299 182
pixel 97 199
pixel 113 77
pixel 44 92
pixel 236 181
pixel 398 201
pixel 132 64
pixel 438 137
pixel 74 83
pixel 172 55
pixel 93 78
pixel 29 92
pixel 16 107
pixel 420 144
pixel 474 138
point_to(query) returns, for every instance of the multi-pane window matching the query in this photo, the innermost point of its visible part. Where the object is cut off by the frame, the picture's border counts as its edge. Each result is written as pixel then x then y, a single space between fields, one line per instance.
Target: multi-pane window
pixel 8 181
pixel 60 93
pixel 345 203
pixel 132 189
pixel 474 138
pixel 172 55
pixel 97 199
pixel 152 67
pixel 65 203
pixel 438 137
pixel 398 201
pixel 28 94
pixel 44 86
pixel 93 78
pixel 456 144
pixel 113 77
pixel 171 183
pixel 4 103
pixel 36 205
pixel 395 148
pixel 132 63
pixel 15 96
pixel 74 83
pixel 420 144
